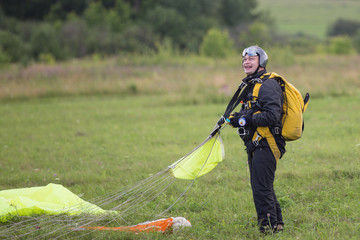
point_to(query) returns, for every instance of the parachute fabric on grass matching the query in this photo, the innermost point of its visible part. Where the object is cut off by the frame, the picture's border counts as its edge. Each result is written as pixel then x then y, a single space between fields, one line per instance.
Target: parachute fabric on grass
pixel 160 225
pixel 201 161
pixel 139 202
pixel 50 199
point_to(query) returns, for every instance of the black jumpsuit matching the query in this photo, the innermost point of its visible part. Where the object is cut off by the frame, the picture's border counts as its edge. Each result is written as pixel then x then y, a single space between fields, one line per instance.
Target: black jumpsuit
pixel 262 163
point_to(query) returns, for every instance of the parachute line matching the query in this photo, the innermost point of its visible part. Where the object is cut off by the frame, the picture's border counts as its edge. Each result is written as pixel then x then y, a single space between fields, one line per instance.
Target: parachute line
pixel 129 205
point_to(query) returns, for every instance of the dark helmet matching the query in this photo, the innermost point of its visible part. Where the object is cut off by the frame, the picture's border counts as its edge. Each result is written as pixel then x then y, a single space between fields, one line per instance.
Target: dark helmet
pixel 255 50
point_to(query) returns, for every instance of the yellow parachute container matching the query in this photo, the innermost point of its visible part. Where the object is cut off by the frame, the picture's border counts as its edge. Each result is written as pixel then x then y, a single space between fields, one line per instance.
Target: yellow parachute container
pixel 201 161
pixel 49 199
pixel 293 108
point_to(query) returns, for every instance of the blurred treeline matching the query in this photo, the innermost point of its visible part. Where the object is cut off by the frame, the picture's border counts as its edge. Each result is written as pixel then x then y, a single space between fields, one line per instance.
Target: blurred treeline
pixel 44 30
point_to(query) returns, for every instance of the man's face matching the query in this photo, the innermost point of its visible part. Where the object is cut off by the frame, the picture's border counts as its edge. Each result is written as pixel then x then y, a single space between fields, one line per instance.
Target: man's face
pixel 250 64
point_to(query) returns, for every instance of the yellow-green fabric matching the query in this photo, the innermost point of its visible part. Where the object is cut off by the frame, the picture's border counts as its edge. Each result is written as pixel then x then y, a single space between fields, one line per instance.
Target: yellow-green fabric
pixel 49 199
pixel 201 161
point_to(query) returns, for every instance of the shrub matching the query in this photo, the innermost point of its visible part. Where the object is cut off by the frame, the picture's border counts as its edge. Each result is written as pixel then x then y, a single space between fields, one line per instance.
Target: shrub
pixel 13 46
pixel 340 45
pixel 356 41
pixel 217 44
pixel 95 13
pixel 302 44
pixel 257 34
pixel 74 33
pixel 45 39
pixel 168 22
pixel 119 16
pixel 137 39
pixel 344 27
pixel 4 58
pixel 282 56
pixel 47 58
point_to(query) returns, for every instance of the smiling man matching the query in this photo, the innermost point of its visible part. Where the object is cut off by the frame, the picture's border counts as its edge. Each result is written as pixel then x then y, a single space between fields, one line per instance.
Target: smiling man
pixel 262 107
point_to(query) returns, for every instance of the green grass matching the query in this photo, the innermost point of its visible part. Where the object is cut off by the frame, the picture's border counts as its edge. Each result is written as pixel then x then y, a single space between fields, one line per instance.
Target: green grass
pixel 93 141
pixel 95 144
pixel 308 16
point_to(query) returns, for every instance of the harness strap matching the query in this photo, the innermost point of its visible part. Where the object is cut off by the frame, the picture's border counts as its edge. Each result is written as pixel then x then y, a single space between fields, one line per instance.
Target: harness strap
pixel 264 132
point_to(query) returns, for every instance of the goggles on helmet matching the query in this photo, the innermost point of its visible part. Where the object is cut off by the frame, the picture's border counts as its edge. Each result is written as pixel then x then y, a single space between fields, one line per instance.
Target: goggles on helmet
pixel 250 51
pixel 256 51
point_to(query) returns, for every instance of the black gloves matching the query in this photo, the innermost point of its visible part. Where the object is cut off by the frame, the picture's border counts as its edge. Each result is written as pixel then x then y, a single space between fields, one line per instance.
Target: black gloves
pixel 221 121
pixel 238 120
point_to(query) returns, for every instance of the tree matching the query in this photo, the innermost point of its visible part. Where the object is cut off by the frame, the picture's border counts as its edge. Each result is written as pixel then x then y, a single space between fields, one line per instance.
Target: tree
pixel 45 40
pixel 257 34
pixel 95 14
pixel 12 46
pixel 344 27
pixel 119 16
pixel 216 44
pixel 168 22
pixel 39 9
pixel 234 12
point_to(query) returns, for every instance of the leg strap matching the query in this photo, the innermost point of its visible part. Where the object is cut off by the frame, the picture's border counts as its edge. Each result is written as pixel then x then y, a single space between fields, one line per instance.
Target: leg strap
pixel 264 132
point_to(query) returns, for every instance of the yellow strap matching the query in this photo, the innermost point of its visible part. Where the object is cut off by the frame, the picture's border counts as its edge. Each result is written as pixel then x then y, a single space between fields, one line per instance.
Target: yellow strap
pixel 264 132
pixel 256 91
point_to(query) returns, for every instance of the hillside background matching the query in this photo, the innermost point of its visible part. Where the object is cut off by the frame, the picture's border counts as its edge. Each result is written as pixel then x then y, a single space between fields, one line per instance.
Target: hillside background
pixel 308 17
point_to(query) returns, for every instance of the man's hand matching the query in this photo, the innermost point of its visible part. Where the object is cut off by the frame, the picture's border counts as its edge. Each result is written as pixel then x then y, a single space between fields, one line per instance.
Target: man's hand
pixel 238 120
pixel 221 121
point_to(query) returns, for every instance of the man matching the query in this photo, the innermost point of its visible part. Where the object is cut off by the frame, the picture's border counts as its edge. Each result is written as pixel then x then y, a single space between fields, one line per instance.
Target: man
pixel 264 110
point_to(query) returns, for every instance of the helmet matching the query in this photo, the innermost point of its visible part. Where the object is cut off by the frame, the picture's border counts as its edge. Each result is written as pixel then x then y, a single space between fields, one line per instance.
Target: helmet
pixel 255 50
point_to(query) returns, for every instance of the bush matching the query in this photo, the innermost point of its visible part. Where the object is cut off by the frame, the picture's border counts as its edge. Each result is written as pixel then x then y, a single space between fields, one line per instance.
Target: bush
pixel 302 44
pixel 4 58
pixel 356 41
pixel 47 58
pixel 257 34
pixel 95 13
pixel 74 33
pixel 45 39
pixel 100 40
pixel 168 22
pixel 282 56
pixel 344 27
pixel 119 16
pixel 137 39
pixel 13 46
pixel 341 45
pixel 217 44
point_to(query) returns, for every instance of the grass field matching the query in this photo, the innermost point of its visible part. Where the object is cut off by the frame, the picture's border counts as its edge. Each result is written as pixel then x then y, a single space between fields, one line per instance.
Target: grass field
pixel 308 16
pixel 97 126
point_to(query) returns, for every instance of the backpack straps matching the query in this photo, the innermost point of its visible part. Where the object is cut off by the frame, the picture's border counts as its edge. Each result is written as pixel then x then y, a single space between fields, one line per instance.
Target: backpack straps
pixel 236 99
pixel 264 132
pixel 234 102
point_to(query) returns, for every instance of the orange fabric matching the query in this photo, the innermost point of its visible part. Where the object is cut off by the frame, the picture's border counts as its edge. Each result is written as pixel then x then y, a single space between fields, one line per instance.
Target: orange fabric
pixel 161 225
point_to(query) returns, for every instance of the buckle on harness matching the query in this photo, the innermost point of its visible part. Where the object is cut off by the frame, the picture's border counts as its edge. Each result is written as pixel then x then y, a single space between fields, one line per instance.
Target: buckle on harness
pixel 256 141
pixel 276 131
pixel 258 80
pixel 242 131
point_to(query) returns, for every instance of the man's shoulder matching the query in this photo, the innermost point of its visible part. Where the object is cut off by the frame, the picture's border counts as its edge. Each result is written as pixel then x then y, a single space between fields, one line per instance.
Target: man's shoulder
pixel 271 82
pixel 269 86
